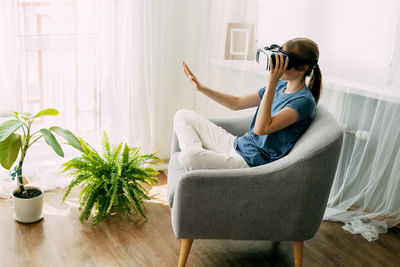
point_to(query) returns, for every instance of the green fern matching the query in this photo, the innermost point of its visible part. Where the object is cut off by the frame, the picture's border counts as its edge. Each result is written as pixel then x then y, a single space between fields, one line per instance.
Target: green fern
pixel 113 181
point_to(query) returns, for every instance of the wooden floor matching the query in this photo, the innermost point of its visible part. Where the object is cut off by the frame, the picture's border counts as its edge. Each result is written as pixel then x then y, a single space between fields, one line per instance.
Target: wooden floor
pixel 59 239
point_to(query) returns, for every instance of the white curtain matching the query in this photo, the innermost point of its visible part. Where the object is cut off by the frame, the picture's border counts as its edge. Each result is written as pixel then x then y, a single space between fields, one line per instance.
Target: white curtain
pixel 142 46
pixel 9 54
pixel 366 191
pixel 126 84
pixel 9 57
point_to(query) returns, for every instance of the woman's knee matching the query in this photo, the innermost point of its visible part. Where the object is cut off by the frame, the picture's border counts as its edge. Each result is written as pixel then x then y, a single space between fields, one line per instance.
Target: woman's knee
pixel 191 157
pixel 184 114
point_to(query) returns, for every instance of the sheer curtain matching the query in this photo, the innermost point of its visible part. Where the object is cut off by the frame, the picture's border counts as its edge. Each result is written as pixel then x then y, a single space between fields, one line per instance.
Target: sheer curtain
pixel 9 57
pixel 360 60
pixel 366 191
pixel 126 82
pixel 9 47
pixel 143 44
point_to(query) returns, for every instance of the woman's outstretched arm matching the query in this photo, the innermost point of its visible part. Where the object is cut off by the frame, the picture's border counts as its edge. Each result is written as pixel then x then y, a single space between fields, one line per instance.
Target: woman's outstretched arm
pixel 229 101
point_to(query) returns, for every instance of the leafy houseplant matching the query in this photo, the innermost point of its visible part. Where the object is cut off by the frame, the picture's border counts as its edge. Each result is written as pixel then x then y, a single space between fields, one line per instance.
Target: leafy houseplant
pixel 113 181
pixel 13 144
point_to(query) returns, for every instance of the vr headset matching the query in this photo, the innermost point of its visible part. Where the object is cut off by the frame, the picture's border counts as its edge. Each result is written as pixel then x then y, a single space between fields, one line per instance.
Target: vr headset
pixel 264 54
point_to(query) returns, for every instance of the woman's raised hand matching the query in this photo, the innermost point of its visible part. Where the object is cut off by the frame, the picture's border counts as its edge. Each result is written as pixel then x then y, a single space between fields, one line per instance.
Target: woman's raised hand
pixel 191 77
pixel 277 71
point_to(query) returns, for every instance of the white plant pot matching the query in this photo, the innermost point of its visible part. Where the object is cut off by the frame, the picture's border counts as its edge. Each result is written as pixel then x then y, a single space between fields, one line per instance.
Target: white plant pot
pixel 28 210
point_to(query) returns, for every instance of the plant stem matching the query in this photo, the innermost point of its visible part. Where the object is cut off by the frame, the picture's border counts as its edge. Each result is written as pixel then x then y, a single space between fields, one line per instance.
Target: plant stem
pixel 34 141
pixel 20 180
pixel 34 133
pixel 23 129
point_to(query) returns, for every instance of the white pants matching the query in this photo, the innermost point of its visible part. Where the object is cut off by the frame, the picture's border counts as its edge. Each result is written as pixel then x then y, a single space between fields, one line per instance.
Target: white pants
pixel 203 144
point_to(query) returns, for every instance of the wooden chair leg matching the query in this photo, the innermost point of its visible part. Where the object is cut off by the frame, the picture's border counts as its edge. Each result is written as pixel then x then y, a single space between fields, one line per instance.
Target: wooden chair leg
pixel 298 253
pixel 185 249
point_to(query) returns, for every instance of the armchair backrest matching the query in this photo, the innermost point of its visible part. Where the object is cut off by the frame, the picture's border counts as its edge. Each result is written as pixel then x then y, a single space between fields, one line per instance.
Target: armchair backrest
pixel 323 130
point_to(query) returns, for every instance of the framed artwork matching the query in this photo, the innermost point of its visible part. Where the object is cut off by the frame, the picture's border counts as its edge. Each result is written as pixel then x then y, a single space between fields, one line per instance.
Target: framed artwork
pixel 239 41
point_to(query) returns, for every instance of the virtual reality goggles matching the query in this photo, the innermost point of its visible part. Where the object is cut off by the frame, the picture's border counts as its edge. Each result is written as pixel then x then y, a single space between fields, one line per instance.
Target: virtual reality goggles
pixel 264 54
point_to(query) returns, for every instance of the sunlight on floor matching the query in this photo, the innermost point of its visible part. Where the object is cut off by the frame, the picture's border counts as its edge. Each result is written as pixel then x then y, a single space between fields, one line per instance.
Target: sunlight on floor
pixel 158 194
pixel 64 210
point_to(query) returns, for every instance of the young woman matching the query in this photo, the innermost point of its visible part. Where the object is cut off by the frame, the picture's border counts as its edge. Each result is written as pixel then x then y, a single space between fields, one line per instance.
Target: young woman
pixel 286 107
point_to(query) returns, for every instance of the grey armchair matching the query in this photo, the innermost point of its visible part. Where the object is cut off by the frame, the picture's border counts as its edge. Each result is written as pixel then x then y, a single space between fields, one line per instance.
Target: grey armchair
pixel 280 201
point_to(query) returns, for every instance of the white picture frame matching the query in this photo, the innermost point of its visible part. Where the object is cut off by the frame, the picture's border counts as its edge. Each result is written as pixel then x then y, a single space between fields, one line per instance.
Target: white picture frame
pixel 239 42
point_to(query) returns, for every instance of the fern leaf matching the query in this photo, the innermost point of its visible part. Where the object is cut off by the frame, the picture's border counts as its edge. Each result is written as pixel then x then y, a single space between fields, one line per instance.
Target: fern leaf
pixel 114 187
pixel 77 180
pixel 106 145
pixel 125 154
pixel 88 205
pixel 116 152
pixel 102 207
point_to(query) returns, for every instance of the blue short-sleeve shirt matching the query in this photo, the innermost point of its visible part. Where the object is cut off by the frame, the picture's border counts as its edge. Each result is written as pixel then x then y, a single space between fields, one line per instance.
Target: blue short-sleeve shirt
pixel 261 149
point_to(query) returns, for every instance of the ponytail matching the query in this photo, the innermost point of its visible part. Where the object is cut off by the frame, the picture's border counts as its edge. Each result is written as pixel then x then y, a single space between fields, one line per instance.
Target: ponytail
pixel 315 83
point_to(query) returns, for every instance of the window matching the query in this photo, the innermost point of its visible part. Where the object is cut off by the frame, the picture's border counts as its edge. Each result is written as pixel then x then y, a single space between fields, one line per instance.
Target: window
pixel 355 38
pixel 59 67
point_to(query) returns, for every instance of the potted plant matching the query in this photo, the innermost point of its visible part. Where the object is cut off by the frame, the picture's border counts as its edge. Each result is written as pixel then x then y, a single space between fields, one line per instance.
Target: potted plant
pixel 28 200
pixel 112 182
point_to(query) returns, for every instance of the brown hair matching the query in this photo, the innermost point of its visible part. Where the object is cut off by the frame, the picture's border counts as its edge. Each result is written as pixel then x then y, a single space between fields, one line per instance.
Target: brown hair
pixel 307 50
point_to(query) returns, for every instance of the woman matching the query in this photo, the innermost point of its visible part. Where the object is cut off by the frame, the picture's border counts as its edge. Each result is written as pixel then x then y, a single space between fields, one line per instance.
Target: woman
pixel 286 107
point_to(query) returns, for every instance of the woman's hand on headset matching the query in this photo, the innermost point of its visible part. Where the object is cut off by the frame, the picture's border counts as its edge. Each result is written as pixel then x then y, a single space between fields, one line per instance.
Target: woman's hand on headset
pixel 191 77
pixel 276 72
